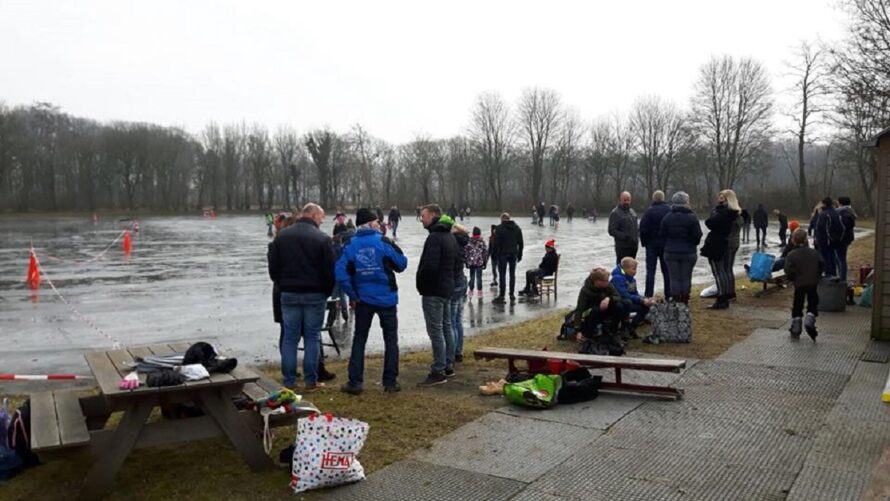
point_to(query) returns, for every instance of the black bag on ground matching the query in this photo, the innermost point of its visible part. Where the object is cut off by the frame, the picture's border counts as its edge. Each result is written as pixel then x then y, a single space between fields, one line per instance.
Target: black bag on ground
pixel 20 435
pixel 604 344
pixel 567 330
pixel 578 385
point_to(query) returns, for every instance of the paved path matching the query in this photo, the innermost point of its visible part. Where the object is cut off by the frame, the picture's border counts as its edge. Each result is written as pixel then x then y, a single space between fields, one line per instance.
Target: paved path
pixel 770 419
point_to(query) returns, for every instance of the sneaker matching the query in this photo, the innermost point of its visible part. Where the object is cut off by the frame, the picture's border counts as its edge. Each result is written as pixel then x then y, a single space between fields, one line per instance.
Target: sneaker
pixel 433 378
pixel 809 324
pixel 449 372
pixel 458 358
pixel 395 388
pixel 795 329
pixel 498 300
pixel 310 387
pixel 512 298
pixel 352 390
pixel 324 375
pixel 470 292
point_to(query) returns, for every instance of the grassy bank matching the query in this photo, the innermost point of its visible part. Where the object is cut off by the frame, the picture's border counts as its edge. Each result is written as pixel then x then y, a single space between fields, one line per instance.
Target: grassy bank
pixel 400 423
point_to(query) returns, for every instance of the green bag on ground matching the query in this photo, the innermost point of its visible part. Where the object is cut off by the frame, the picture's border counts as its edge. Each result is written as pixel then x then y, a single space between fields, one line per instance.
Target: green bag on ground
pixel 539 392
pixel 865 298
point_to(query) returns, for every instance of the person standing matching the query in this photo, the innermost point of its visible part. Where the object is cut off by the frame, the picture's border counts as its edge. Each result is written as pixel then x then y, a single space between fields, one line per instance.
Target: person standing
pixel 783 227
pixel 366 273
pixel 681 233
pixel 829 235
pixel 848 218
pixel 492 238
pixel 746 225
pixel 570 212
pixel 541 212
pixel 476 257
pixel 761 221
pixel 459 296
pixel 301 262
pixel 435 283
pixel 803 266
pixel 650 238
pixel 452 212
pixel 270 220
pixel 395 217
pixel 623 227
pixel 508 245
pixel 723 222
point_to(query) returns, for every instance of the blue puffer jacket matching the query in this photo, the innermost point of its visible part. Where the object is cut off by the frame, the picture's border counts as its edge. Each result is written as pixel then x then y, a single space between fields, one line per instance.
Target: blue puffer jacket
pixel 366 270
pixel 651 223
pixel 626 285
pixel 681 231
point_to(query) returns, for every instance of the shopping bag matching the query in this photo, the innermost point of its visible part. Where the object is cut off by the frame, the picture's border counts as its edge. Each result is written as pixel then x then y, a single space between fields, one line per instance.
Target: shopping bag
pixel 671 322
pixel 539 392
pixel 761 268
pixel 325 452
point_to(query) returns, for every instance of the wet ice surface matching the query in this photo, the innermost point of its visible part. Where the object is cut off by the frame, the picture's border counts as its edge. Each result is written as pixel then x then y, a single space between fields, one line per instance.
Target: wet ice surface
pixel 191 278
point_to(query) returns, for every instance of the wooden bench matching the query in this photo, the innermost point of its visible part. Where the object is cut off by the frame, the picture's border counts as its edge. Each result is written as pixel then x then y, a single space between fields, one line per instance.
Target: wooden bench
pixel 777 278
pixel 595 362
pixel 57 422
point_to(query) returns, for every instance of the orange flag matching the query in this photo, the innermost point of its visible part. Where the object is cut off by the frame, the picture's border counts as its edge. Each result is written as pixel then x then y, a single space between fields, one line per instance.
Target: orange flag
pixel 128 244
pixel 33 272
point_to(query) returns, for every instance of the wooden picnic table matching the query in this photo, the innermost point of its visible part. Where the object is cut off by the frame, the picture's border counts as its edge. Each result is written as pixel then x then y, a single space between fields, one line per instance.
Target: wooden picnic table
pixel 213 396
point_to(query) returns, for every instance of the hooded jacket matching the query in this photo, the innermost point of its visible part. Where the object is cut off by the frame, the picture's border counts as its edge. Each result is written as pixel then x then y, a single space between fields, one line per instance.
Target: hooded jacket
pixel 435 271
pixel 460 280
pixel 590 296
pixel 651 223
pixel 803 266
pixel 830 231
pixel 301 259
pixel 508 240
pixel 721 224
pixel 848 217
pixel 761 219
pixel 681 231
pixel 476 253
pixel 625 285
pixel 366 269
pixel 623 227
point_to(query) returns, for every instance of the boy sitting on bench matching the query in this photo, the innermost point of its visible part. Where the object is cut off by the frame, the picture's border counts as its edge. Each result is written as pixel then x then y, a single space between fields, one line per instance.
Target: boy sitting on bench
pixel 600 308
pixel 624 281
pixel 546 268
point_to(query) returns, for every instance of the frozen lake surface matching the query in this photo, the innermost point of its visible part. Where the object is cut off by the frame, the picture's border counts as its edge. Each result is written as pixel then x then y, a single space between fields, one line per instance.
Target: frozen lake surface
pixel 190 278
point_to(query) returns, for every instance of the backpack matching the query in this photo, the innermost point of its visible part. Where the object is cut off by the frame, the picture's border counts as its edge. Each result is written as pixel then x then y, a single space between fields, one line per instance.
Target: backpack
pixel 10 462
pixel 834 228
pixel 567 330
pixel 578 386
pixel 19 435
pixel 849 221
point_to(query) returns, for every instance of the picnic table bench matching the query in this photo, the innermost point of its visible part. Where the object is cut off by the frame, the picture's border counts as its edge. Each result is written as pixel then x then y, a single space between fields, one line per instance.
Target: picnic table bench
pixel 595 362
pixel 776 278
pixel 62 422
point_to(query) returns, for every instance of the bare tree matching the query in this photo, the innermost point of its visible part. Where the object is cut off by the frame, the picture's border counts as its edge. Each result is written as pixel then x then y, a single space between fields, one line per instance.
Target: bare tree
pixel 320 144
pixel 567 155
pixel 619 148
pixel 662 137
pixel 259 157
pixel 287 147
pixel 596 162
pixel 539 115
pixel 731 107
pixel 492 132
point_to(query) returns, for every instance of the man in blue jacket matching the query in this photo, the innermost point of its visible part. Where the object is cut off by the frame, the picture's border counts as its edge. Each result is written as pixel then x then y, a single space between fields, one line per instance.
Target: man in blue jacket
pixel 624 281
pixel 653 242
pixel 366 273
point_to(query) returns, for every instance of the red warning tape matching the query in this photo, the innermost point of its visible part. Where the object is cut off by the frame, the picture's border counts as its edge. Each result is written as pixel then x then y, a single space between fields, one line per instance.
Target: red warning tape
pixel 41 377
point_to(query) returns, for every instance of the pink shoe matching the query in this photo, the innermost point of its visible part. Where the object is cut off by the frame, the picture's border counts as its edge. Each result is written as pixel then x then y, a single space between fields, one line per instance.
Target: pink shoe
pixel 469 292
pixel 479 294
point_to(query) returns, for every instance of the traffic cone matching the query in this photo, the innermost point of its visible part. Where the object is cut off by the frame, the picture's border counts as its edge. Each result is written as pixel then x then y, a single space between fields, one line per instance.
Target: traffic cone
pixel 128 243
pixel 33 272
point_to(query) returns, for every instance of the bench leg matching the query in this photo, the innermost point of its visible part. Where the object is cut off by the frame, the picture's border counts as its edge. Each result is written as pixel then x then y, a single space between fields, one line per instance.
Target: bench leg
pixel 109 461
pixel 239 433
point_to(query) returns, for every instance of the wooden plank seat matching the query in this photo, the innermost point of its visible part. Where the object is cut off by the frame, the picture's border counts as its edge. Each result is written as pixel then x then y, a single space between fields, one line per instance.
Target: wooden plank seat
pixel 57 421
pixel 595 362
pixel 777 278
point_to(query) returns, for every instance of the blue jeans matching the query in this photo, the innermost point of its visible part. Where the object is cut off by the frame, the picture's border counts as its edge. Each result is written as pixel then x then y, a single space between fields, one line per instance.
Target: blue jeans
pixel 437 315
pixel 475 278
pixel 680 271
pixel 302 317
pixel 653 255
pixel 395 228
pixel 457 321
pixel 389 322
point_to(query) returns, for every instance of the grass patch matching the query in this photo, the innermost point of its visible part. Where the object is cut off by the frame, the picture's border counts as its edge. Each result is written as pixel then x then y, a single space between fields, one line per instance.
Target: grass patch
pixel 399 423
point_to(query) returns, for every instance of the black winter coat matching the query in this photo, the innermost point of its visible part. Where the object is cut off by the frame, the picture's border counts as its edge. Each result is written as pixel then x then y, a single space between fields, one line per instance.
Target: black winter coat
pixel 761 220
pixel 435 271
pixel 508 240
pixel 548 264
pixel 680 231
pixel 650 224
pixel 721 224
pixel 301 259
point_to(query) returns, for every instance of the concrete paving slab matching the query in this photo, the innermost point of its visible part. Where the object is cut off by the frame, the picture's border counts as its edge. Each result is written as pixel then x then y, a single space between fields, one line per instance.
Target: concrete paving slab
pixel 849 445
pixel 420 481
pixel 518 448
pixel 861 398
pixel 742 376
pixel 877 351
pixel 816 483
pixel 530 495
pixel 802 354
pixel 598 414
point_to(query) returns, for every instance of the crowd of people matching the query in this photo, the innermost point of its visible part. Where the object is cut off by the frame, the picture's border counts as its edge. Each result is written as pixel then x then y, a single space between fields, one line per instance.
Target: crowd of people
pixel 358 264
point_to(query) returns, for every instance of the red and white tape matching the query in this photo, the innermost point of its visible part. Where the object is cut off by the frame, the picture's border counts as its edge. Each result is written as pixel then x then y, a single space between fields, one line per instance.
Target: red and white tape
pixel 41 377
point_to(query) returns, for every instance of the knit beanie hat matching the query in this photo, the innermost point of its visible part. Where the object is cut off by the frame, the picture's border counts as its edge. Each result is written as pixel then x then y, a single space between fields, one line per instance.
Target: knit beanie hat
pixel 476 231
pixel 680 198
pixel 364 216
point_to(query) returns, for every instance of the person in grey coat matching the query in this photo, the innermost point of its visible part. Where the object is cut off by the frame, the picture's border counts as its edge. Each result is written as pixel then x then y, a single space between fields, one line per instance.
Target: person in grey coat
pixel 623 227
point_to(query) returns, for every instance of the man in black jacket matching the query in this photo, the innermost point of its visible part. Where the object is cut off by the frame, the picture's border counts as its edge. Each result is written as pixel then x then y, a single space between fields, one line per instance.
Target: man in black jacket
pixel 761 221
pixel 650 225
pixel 783 227
pixel 623 227
pixel 435 283
pixel 508 247
pixel 301 263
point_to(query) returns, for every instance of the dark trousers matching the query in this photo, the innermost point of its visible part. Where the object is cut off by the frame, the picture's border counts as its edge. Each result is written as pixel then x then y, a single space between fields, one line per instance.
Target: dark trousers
pixel 531 279
pixel 653 256
pixel 389 322
pixel 829 255
pixel 507 261
pixel 494 269
pixel 841 254
pixel 760 235
pixel 783 236
pixel 812 297
pixel 609 319
pixel 641 312
pixel 746 233
pixel 625 251
pixel 475 278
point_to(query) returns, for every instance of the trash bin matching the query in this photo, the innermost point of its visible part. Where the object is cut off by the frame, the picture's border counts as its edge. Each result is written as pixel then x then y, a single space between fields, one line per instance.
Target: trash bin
pixel 832 294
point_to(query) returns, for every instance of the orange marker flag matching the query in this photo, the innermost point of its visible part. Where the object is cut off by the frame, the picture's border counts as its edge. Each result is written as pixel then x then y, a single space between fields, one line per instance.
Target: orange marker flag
pixel 128 243
pixel 33 272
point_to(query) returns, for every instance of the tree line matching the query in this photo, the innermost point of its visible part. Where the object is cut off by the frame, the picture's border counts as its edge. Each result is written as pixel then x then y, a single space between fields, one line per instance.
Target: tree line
pixel 510 155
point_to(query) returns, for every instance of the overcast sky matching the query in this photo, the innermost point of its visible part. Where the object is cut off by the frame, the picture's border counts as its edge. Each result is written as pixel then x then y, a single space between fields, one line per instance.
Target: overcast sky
pixel 397 68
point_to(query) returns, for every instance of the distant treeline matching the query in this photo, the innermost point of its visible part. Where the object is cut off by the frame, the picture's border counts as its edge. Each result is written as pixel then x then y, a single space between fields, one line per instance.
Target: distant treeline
pixel 511 155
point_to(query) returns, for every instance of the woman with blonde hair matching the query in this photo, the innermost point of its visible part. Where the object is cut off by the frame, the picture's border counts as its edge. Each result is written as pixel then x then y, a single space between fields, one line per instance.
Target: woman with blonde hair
pixel 722 244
